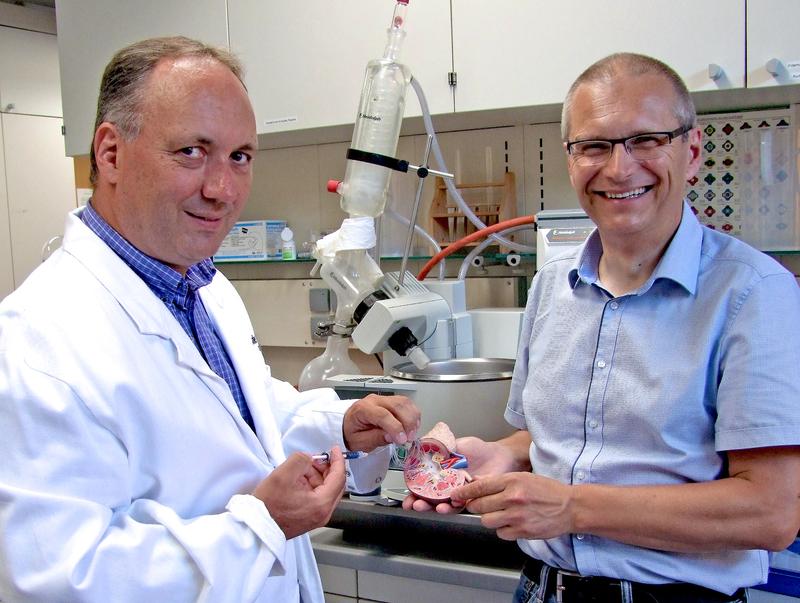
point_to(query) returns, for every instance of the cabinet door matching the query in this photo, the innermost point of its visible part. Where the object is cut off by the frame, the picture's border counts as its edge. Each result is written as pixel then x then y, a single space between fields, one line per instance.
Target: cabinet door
pixel 91 31
pixel 306 60
pixel 396 589
pixel 41 186
pixel 339 581
pixel 6 267
pixel 29 81
pixel 772 42
pixel 516 52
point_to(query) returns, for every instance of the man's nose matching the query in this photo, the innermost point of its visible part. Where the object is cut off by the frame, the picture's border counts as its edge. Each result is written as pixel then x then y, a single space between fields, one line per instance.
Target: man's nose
pixel 620 163
pixel 220 182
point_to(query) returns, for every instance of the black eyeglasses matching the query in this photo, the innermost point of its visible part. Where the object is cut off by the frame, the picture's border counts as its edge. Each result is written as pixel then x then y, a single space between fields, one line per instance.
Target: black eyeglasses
pixel 641 147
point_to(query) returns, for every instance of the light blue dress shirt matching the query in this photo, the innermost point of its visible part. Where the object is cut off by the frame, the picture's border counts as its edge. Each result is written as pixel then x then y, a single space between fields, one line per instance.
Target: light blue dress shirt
pixel 653 386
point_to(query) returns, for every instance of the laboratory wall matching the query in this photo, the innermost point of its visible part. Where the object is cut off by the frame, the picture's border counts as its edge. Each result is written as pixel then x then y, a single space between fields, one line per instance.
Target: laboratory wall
pixel 37 185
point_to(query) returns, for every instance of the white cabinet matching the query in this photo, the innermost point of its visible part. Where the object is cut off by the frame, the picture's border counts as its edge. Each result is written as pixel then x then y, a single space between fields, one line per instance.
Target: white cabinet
pixel 344 584
pixel 397 589
pixel 37 183
pixel 772 42
pixel 91 31
pixel 41 188
pixel 339 583
pixel 6 267
pixel 517 52
pixel 29 80
pixel 306 60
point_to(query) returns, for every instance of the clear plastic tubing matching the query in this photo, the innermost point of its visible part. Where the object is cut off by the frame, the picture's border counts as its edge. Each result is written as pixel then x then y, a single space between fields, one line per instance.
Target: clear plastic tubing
pixel 377 127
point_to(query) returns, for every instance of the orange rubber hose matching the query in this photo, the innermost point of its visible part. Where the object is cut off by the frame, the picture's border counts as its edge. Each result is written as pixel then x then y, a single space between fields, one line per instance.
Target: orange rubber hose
pixel 483 232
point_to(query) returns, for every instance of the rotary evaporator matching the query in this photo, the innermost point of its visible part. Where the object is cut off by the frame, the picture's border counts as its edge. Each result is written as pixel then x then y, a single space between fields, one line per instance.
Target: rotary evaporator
pixel 423 329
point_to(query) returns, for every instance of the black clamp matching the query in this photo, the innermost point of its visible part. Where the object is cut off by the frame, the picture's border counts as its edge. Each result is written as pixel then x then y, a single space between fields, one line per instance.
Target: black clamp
pixel 398 165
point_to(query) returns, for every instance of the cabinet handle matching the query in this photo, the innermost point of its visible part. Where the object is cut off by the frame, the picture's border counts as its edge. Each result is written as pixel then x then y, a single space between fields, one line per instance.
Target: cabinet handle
pixel 715 72
pixel 774 66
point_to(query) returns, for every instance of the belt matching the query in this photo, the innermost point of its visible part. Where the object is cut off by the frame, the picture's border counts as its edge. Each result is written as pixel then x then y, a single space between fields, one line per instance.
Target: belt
pixel 570 587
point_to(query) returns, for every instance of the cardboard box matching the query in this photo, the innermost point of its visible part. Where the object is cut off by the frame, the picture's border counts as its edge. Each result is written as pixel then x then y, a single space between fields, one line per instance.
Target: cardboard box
pixel 252 241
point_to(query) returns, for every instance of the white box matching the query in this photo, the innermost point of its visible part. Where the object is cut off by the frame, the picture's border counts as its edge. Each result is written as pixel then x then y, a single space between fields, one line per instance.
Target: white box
pixel 250 242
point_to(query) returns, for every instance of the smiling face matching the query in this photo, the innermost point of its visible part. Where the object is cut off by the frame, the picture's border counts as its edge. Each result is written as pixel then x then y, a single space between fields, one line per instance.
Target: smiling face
pixel 176 189
pixel 631 202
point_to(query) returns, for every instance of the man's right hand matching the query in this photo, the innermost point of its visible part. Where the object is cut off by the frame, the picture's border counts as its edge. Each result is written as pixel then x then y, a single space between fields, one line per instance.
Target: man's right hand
pixel 300 494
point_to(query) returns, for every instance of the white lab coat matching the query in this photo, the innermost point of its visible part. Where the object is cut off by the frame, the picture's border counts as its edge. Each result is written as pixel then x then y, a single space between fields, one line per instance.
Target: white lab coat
pixel 125 465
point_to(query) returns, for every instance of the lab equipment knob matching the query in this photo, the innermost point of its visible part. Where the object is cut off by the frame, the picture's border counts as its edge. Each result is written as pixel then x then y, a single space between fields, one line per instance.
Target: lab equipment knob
pixel 513 259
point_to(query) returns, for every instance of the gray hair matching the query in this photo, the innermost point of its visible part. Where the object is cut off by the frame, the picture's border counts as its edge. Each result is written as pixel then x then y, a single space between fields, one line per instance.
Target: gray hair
pixel 123 85
pixel 628 63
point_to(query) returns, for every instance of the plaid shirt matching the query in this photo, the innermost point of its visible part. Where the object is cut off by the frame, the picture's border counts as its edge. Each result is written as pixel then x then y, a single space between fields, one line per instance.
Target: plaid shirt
pixel 180 296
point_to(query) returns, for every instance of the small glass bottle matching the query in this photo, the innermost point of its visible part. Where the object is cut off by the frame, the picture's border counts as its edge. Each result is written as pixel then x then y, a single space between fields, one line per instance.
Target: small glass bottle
pixel 335 360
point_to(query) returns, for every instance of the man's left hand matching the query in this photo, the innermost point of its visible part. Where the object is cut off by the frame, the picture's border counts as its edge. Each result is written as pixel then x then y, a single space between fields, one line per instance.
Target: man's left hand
pixel 379 420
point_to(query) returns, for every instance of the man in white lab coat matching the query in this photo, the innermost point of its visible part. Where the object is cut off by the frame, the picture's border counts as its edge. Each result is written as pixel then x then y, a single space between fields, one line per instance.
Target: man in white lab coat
pixel 147 454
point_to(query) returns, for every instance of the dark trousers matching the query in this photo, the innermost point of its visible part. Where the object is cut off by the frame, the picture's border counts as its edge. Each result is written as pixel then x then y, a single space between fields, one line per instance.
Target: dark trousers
pixel 541 583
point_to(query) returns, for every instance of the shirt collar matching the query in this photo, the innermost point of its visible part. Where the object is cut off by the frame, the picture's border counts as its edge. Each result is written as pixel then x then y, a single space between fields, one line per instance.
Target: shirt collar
pixel 680 262
pixel 165 282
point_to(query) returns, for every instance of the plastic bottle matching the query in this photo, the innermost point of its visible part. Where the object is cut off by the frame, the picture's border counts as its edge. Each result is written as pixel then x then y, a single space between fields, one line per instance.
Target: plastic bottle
pixel 377 127
pixel 288 249
pixel 335 360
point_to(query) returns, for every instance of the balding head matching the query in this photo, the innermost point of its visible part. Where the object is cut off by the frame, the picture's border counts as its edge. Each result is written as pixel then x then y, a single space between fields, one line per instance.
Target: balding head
pixel 626 64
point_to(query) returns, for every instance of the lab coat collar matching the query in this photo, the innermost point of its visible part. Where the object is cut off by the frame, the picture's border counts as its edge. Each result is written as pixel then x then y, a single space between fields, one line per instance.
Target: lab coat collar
pixel 147 312
pixel 131 292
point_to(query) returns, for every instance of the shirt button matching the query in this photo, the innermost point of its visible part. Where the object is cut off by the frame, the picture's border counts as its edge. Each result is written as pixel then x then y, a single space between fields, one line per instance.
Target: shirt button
pixel 579 536
pixel 593 424
pixel 614 305
pixel 601 364
pixel 580 475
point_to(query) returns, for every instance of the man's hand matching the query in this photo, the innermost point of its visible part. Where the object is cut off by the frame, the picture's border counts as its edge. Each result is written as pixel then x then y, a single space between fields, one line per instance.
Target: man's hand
pixel 519 505
pixel 484 458
pixel 300 494
pixel 377 420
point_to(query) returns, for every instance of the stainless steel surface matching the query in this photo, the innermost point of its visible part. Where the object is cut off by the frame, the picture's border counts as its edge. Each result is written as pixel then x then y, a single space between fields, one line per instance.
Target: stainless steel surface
pixel 461 369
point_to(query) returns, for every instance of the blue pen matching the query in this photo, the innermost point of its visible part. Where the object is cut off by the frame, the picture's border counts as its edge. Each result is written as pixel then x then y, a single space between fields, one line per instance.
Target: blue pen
pixel 325 457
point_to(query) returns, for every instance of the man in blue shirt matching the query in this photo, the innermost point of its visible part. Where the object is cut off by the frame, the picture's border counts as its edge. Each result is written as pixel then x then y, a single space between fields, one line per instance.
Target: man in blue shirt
pixel 656 387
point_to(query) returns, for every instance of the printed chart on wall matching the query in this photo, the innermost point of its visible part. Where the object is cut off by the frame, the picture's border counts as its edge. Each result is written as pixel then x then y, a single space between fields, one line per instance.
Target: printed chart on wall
pixel 746 183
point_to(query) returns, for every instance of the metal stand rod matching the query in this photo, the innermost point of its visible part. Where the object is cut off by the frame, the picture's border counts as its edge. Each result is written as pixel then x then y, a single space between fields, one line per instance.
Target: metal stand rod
pixel 414 212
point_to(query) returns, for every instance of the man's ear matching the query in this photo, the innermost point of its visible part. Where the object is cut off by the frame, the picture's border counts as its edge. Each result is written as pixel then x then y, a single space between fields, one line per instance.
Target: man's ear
pixel 107 140
pixel 694 150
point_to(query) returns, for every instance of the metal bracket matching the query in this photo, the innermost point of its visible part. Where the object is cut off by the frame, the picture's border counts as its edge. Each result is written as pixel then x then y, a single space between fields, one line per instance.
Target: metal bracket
pixel 321 328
